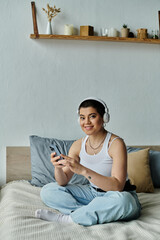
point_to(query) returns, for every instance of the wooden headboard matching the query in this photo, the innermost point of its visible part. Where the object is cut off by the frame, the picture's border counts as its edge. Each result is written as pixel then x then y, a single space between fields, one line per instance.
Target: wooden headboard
pixel 19 162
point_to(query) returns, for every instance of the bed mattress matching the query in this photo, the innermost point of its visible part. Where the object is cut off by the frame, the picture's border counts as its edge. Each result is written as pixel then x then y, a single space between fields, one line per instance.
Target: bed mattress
pixel 19 200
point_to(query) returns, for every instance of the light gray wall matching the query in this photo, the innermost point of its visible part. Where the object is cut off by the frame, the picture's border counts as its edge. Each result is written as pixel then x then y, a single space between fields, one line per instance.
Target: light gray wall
pixel 43 81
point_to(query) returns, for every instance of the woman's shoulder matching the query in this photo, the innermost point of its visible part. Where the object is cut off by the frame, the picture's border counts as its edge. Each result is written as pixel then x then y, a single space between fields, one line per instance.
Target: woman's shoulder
pixel 117 147
pixel 77 143
pixel 113 136
pixel 117 139
pixel 116 144
pixel 76 146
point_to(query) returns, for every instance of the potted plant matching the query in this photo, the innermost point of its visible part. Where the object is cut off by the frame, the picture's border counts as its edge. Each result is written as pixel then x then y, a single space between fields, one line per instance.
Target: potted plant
pixel 51 13
pixel 124 31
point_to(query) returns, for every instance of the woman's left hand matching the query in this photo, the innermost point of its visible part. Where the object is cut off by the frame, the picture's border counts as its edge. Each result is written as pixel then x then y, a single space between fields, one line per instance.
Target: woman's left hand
pixel 72 164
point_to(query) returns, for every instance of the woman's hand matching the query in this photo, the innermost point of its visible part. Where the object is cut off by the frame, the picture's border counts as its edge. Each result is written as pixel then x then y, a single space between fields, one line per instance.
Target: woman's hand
pixel 55 160
pixel 72 164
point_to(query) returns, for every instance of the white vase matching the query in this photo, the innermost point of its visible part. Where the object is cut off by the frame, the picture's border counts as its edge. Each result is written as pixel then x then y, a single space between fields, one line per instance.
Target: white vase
pixel 104 32
pixel 49 28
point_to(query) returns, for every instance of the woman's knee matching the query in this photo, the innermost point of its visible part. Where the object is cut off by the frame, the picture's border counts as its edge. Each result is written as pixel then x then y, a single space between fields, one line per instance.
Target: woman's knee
pixel 130 206
pixel 124 200
pixel 47 191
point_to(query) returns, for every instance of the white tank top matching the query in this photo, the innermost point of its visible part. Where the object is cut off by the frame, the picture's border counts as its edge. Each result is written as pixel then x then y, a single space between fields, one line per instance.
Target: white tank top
pixel 100 162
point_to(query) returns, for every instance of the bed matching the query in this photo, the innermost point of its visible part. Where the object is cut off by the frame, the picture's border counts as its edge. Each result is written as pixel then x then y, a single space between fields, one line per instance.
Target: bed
pixel 20 198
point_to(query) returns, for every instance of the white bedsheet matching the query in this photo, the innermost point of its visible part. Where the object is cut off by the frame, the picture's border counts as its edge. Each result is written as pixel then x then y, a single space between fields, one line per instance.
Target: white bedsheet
pixel 19 200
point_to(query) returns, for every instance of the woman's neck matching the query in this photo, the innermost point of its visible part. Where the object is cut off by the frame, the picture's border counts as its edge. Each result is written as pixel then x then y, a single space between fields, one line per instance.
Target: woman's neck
pixel 96 138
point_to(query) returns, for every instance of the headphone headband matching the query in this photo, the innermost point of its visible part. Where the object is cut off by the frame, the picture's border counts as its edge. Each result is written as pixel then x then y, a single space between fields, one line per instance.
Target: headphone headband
pixel 96 99
pixel 106 116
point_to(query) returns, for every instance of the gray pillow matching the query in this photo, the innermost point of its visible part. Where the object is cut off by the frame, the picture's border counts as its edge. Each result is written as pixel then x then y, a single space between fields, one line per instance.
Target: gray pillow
pixel 154 162
pixel 42 168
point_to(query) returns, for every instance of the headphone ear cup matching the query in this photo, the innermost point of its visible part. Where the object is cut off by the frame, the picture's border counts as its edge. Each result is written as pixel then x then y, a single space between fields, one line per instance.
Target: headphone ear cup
pixel 106 117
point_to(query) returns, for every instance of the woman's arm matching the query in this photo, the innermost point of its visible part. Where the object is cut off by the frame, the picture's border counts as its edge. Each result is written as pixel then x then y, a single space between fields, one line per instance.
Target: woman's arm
pixel 63 174
pixel 117 180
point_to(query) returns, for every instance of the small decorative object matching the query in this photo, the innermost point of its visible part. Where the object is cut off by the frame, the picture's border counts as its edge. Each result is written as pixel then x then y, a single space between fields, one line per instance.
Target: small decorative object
pixel 142 33
pixel 131 35
pixel 86 31
pixel 68 29
pixel 51 13
pixel 112 32
pixel 124 31
pixel 104 32
pixel 155 34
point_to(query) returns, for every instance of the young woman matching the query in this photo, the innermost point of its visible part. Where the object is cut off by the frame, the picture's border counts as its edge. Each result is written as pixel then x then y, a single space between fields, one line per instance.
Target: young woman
pixel 101 157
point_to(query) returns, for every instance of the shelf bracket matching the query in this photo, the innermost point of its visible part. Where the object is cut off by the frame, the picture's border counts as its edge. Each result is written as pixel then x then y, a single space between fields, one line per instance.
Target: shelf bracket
pixel 35 27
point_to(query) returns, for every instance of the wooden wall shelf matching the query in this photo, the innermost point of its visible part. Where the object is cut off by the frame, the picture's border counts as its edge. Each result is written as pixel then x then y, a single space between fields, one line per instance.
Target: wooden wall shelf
pixel 95 38
pixel 36 34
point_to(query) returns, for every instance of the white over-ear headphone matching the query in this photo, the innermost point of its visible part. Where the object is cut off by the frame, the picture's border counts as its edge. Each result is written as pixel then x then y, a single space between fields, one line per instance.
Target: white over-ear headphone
pixel 106 116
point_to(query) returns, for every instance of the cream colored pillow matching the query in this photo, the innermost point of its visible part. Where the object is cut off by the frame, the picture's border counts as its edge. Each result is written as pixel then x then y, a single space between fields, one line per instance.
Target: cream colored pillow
pixel 139 171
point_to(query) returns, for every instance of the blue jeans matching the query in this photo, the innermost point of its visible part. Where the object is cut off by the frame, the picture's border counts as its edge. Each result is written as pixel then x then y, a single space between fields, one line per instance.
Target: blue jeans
pixel 87 207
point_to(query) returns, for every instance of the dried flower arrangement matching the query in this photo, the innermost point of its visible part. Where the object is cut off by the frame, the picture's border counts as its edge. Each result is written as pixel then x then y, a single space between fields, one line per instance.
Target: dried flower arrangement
pixel 51 12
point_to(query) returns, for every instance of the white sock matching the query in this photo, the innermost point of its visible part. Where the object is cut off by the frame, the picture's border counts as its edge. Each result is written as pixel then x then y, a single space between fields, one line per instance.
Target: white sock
pixel 52 217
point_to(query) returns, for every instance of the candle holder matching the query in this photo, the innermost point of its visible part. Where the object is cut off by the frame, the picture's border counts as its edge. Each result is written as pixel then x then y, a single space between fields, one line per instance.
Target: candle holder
pixel 68 29
pixel 142 33
pixel 86 31
pixel 112 32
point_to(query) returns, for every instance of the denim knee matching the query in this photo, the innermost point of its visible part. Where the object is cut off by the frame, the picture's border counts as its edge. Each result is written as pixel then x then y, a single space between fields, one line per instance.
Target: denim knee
pixel 129 202
pixel 47 191
pixel 125 199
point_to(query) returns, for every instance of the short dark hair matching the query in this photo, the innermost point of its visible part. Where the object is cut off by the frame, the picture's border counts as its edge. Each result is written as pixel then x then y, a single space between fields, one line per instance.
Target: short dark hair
pixel 93 103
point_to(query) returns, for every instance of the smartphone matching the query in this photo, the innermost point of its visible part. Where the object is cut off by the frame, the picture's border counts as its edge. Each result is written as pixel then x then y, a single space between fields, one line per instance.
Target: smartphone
pixel 54 148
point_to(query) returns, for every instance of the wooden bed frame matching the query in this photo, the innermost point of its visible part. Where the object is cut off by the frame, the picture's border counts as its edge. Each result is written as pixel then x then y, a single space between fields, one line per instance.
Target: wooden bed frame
pixel 19 162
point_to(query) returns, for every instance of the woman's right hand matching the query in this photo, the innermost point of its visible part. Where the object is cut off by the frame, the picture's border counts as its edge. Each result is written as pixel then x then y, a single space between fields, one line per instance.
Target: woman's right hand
pixel 54 160
pixel 59 174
